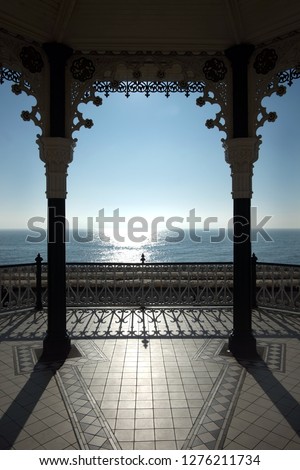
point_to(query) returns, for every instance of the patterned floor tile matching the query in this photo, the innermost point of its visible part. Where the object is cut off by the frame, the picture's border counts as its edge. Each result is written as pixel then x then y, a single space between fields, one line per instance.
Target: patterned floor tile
pixel 176 352
pixel 222 399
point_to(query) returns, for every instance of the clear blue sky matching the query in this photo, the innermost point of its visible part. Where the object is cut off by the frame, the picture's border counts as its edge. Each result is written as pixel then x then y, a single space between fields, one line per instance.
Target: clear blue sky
pixel 150 157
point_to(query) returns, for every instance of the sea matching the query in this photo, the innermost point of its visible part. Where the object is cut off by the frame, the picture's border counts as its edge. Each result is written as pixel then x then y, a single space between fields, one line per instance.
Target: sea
pixel 276 246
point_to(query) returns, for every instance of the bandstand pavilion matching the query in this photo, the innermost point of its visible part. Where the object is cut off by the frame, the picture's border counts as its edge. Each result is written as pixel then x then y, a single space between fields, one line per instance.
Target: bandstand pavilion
pixel 232 53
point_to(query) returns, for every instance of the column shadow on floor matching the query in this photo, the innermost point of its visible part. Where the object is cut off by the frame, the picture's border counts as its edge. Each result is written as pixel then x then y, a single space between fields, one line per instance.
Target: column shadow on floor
pixel 286 404
pixel 14 419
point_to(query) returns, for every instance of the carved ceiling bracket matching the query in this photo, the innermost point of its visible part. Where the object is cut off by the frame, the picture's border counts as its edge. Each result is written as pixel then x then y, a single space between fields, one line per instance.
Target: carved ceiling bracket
pixel 24 65
pixel 272 69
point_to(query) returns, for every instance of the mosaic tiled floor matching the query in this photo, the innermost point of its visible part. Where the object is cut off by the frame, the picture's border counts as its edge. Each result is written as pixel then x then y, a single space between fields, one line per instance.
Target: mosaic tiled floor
pixel 149 390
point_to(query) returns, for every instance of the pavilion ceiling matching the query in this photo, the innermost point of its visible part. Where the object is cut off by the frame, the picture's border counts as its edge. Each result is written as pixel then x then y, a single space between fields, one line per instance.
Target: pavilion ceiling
pixel 143 25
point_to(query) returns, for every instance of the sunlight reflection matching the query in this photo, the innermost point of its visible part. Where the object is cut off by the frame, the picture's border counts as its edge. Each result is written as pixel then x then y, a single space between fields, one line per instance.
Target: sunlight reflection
pixel 122 248
pixel 125 255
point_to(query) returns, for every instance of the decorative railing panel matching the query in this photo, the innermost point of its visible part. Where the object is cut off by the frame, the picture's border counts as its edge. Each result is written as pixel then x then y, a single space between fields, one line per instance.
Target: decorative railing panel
pixel 278 285
pixel 146 285
pixel 149 284
pixel 17 286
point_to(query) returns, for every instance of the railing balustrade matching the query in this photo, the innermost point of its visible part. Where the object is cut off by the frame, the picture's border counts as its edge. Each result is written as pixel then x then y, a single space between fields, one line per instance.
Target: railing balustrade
pixel 149 284
pixel 278 286
pixel 17 286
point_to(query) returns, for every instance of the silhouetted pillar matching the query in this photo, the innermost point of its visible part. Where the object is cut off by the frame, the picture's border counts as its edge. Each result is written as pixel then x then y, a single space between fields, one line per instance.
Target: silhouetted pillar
pixel 56 151
pixel 241 152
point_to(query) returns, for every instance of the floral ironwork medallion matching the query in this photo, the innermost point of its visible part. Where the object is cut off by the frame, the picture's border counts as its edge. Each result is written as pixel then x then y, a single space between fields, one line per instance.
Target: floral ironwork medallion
pixel 31 59
pixel 214 70
pixel 265 61
pixel 82 69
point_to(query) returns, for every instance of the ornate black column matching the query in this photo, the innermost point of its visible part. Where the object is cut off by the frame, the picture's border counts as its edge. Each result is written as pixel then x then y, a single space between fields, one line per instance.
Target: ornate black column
pixel 241 152
pixel 57 152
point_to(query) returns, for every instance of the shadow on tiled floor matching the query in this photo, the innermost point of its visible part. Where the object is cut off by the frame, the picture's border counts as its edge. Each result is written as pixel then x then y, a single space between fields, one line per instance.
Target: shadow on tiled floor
pixel 20 409
pixel 277 394
pixel 150 380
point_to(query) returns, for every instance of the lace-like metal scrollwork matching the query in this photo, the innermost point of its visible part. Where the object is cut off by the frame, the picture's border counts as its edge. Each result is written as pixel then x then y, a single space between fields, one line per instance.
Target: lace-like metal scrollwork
pixel 108 87
pixel 79 121
pixel 148 87
pixel 288 76
pixel 21 85
pixel 220 99
pixel 263 115
pixel 267 86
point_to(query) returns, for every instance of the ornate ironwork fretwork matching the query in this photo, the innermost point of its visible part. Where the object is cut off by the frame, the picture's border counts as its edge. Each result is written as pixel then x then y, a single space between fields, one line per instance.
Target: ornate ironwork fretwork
pixel 31 59
pixel 82 69
pixel 278 86
pixel 262 114
pixel 23 64
pixel 148 87
pixel 148 284
pixel 10 76
pixel 221 99
pixel 149 72
pixel 288 76
pixel 214 70
pixel 265 61
pixel 278 286
pixel 274 67
pixel 108 87
pixel 21 85
pixel 167 88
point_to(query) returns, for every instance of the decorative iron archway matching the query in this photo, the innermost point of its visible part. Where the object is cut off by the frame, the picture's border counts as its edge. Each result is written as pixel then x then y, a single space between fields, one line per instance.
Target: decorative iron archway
pixel 61 80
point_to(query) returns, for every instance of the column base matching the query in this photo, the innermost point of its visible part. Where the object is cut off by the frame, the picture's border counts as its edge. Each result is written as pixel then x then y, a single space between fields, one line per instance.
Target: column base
pixel 243 345
pixel 56 348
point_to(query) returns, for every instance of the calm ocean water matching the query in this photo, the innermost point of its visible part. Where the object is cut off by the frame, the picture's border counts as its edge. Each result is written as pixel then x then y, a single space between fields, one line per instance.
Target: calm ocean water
pixel 284 248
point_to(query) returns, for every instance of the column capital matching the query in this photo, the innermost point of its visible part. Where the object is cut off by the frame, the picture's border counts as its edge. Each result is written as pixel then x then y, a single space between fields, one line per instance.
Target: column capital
pixel 240 154
pixel 56 153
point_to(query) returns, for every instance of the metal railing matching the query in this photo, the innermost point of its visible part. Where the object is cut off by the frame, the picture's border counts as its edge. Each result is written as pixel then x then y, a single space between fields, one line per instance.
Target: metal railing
pixel 17 286
pixel 278 286
pixel 149 284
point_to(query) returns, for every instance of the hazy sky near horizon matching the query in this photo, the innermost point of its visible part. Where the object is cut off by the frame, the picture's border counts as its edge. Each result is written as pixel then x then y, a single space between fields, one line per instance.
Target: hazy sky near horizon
pixel 150 157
